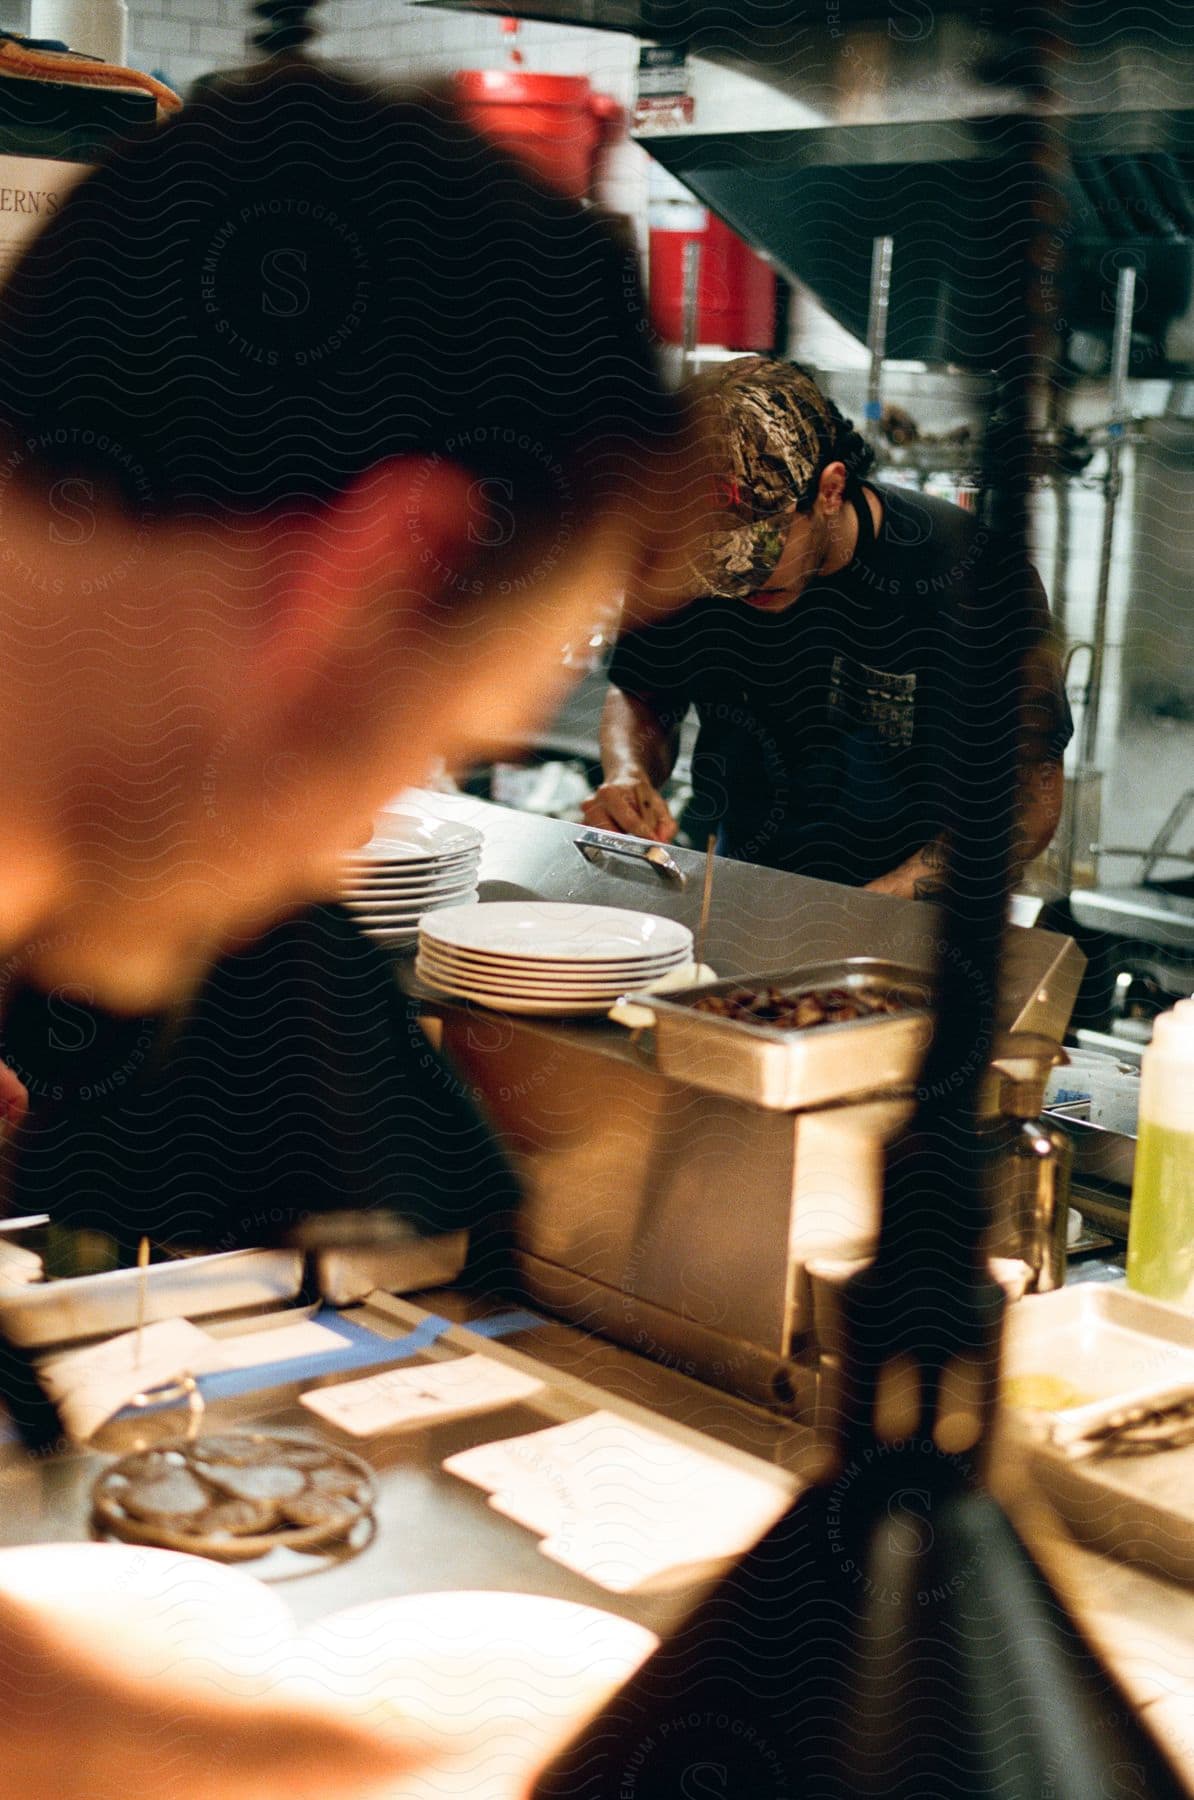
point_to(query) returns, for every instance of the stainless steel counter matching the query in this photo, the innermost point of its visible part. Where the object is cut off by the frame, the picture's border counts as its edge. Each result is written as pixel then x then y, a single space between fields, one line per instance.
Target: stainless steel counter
pixel 666 1209
pixel 434 1531
pixel 761 918
pixel 437 1533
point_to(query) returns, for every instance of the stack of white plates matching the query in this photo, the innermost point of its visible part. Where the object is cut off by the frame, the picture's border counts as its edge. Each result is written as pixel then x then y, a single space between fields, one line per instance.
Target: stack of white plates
pixel 413 866
pixel 544 957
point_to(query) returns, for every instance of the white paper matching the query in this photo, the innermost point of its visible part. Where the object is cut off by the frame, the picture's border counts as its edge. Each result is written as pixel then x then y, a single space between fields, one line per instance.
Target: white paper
pixel 418 1396
pixel 91 1384
pixel 620 1504
pixel 250 1348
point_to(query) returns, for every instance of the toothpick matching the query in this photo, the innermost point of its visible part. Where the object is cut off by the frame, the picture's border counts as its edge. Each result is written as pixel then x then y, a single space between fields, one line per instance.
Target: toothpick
pixel 706 898
pixel 142 1285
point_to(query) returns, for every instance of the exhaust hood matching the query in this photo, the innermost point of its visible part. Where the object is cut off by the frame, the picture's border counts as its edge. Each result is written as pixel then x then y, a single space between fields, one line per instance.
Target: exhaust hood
pixel 814 201
pixel 812 129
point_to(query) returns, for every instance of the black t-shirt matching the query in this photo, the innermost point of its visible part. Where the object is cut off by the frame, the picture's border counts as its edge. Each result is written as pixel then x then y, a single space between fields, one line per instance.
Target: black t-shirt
pixel 824 728
pixel 296 1080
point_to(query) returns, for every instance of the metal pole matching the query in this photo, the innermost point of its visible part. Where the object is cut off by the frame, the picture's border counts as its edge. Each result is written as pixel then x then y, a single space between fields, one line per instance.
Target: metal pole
pixel 691 299
pixel 1125 303
pixel 1059 587
pixel 876 331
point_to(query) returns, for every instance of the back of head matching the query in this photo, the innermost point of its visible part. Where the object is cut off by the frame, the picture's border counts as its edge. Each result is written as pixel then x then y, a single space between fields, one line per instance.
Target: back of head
pixel 302 274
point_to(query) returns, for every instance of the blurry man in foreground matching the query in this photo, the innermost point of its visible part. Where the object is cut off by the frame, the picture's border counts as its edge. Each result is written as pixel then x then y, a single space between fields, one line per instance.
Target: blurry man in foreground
pixel 322 428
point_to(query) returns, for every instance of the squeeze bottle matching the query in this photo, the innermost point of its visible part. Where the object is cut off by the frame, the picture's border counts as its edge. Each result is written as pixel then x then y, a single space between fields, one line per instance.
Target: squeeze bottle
pixel 1161 1227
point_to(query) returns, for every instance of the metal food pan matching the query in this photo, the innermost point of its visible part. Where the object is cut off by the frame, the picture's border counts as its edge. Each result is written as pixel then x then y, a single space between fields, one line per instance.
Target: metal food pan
pixel 348 1274
pixel 790 1070
pixel 1099 1154
pixel 87 1306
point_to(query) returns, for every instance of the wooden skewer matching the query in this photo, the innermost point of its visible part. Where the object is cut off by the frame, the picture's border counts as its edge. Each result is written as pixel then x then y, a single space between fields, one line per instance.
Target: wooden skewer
pixel 706 898
pixel 142 1285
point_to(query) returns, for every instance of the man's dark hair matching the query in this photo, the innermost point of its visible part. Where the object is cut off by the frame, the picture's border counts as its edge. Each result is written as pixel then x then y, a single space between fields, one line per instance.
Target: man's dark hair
pixel 773 432
pixel 301 274
pixel 841 442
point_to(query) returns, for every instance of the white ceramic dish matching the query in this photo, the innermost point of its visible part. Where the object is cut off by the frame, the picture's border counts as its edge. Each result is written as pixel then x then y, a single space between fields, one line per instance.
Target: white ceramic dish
pixel 158 1613
pixel 585 974
pixel 598 999
pixel 405 837
pixel 368 872
pixel 413 900
pixel 489 1686
pixel 522 1003
pixel 550 965
pixel 406 917
pixel 442 976
pixel 552 930
pixel 421 884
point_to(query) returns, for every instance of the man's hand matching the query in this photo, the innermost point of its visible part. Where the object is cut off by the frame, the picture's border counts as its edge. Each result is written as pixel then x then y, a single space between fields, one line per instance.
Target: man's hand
pixel 630 804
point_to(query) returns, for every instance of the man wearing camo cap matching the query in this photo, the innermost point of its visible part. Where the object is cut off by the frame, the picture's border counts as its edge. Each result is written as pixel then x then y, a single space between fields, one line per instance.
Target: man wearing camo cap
pixel 816 652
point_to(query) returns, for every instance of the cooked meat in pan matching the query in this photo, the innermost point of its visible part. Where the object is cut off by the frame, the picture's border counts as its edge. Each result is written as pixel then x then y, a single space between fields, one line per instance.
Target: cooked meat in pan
pixel 802 1011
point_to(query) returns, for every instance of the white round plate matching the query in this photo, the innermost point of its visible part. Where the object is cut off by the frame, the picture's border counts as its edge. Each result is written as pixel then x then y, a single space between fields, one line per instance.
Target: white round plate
pixel 157 1613
pixel 405 837
pixel 548 990
pixel 409 903
pixel 421 903
pixel 522 1003
pixel 429 884
pixel 407 917
pixel 374 869
pixel 552 930
pixel 488 1686
pixel 522 968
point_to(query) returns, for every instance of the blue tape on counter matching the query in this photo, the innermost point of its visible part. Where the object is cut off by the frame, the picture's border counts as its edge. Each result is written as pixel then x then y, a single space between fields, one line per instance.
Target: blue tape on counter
pixel 873 409
pixel 505 1324
pixel 363 1349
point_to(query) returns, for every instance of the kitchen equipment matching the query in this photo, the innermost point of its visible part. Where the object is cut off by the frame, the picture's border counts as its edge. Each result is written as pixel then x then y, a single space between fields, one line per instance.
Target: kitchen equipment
pixel 1033 1180
pixel 556 123
pixel 1108 1352
pixel 1108 1157
pixel 789 1069
pixel 591 842
pixel 52 1313
pixel 629 1152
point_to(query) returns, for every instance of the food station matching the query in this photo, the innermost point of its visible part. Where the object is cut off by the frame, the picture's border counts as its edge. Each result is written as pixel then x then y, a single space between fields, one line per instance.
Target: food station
pixel 338 1398
pixel 447 1479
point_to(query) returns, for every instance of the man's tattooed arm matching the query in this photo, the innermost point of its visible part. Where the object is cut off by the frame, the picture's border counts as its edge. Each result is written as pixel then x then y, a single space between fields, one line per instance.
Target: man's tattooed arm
pixel 1041 786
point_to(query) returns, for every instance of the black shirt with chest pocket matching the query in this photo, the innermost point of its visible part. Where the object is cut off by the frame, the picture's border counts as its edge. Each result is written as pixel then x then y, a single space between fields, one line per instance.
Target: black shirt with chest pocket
pixel 824 728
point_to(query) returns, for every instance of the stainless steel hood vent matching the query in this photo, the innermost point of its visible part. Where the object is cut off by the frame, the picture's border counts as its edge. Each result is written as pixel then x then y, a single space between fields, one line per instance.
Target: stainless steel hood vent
pixel 783 145
pixel 814 200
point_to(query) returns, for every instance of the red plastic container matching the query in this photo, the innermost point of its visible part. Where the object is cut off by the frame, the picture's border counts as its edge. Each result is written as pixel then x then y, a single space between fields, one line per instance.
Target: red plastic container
pixel 554 122
pixel 735 297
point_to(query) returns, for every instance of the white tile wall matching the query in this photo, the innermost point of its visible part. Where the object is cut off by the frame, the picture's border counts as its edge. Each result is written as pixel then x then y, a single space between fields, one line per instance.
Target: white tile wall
pixel 183 39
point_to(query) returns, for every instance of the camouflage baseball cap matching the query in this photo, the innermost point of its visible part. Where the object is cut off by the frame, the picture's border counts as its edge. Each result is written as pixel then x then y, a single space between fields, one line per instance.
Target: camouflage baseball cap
pixel 769 428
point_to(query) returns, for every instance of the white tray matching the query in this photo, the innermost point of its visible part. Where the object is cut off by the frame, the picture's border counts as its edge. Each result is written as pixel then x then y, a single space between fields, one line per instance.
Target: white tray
pixel 1107 1342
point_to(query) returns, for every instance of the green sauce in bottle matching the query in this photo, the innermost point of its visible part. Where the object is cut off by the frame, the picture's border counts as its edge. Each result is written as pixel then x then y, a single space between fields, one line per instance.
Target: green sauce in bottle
pixel 1161 1229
